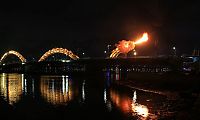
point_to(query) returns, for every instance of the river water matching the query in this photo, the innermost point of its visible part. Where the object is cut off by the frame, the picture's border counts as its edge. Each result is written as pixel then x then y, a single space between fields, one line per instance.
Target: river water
pixel 78 97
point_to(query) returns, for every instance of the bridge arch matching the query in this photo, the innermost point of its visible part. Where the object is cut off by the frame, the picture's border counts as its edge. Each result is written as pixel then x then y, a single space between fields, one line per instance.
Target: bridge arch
pixel 58 50
pixel 12 52
pixel 115 53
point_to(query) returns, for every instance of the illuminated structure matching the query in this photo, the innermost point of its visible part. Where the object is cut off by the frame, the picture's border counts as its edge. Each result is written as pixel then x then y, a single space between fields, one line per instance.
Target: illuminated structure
pixel 12 52
pixel 125 46
pixel 58 50
pixel 115 53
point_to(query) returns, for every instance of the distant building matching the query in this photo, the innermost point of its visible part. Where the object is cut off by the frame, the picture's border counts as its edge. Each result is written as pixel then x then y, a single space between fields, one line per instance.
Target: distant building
pixel 191 64
pixel 196 52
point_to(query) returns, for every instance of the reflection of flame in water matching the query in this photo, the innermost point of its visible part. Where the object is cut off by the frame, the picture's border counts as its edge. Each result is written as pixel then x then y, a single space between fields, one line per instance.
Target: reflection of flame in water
pixel 128 105
pixel 138 108
pixel 123 102
pixel 11 86
pixel 56 89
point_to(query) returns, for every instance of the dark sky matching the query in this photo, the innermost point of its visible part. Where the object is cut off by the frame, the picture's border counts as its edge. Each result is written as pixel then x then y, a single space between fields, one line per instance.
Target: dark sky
pixel 33 27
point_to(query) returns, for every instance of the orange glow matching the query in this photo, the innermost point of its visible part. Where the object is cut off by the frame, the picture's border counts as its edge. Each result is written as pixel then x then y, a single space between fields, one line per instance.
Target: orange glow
pixel 123 102
pixel 115 53
pixel 140 109
pixel 129 105
pixel 11 87
pixel 58 50
pixel 12 52
pixel 125 46
pixel 143 39
pixel 54 94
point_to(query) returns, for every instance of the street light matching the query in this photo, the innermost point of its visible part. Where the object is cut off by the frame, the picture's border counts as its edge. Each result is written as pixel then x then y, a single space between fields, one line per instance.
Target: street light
pixel 174 50
pixel 108 48
pixel 135 53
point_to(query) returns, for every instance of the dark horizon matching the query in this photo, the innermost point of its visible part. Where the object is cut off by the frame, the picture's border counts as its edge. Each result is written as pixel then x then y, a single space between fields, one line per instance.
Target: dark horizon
pixel 32 28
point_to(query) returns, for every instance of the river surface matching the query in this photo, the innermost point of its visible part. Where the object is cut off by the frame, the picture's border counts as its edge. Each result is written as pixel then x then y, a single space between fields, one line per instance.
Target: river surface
pixel 77 97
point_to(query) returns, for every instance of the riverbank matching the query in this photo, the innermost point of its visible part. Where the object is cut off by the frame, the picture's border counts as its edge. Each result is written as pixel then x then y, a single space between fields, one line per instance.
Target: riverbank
pixel 181 90
pixel 164 82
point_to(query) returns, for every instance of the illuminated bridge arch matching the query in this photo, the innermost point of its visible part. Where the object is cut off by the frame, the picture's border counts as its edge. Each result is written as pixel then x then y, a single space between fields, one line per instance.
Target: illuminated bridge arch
pixel 115 53
pixel 58 50
pixel 12 52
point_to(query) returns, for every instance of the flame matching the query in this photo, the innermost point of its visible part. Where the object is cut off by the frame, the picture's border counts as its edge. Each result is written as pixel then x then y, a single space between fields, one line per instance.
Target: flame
pixel 143 39
pixel 125 46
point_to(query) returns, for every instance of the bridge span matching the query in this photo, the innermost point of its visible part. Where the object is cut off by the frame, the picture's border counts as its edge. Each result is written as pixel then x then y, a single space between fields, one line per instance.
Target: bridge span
pixel 43 57
pixel 75 64
pixel 148 64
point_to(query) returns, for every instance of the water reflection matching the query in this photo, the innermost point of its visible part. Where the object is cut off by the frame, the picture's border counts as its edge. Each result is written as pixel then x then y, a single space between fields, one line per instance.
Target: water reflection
pixel 56 89
pixel 12 87
pixel 83 91
pixel 107 100
pixel 85 96
pixel 121 101
pixel 129 105
pixel 139 109
pixel 113 73
pixel 117 75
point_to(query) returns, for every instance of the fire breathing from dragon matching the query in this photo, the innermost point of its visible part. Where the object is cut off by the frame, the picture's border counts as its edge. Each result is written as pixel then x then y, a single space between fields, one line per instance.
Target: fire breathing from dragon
pixel 125 46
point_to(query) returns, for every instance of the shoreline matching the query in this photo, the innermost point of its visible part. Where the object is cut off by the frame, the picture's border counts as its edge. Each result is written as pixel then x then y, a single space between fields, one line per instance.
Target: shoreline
pixel 170 85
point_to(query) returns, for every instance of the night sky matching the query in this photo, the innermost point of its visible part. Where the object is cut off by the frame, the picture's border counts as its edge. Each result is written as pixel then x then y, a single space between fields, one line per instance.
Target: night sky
pixel 33 27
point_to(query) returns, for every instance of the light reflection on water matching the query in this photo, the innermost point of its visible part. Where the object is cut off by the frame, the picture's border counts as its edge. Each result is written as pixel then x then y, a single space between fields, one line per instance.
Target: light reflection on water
pixel 12 87
pixel 56 89
pixel 139 109
pixel 61 89
pixel 129 105
pixel 83 91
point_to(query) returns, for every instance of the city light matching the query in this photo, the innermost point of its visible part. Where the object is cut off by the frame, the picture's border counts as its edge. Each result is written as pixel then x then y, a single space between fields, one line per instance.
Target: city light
pixel 66 61
pixel 134 53
pixel 174 50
